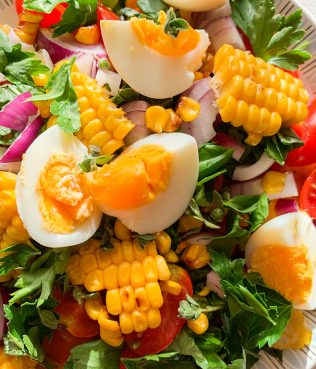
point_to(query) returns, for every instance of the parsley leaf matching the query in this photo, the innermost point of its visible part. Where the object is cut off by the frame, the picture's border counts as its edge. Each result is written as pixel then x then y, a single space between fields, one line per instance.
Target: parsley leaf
pixel 65 104
pixel 271 35
pixel 149 360
pixel 152 7
pixel 143 239
pixel 43 6
pixel 174 25
pixel 90 163
pixel 79 13
pixel 191 309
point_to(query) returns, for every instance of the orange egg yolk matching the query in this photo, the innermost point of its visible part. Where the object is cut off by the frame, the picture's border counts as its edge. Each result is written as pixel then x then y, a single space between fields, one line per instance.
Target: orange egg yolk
pixel 133 179
pixel 63 200
pixel 153 35
pixel 287 270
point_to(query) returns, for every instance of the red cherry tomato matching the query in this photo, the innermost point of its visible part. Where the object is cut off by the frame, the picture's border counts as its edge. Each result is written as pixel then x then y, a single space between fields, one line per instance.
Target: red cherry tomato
pixel 307 197
pixel 48 19
pixel 73 316
pixel 306 154
pixel 104 13
pixel 155 340
pixel 57 350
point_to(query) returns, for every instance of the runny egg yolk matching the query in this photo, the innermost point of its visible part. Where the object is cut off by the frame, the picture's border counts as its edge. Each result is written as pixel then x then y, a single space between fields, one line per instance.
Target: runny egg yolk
pixel 153 35
pixel 133 179
pixel 63 200
pixel 288 270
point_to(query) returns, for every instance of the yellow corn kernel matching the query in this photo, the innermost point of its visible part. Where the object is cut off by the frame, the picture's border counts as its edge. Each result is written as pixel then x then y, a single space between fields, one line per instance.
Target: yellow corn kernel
pixel 154 318
pixel 28 26
pixel 126 323
pixel 140 321
pixel 89 247
pixel 113 301
pixel 196 256
pixel 117 253
pixel 88 263
pixel 151 248
pixel 92 128
pixel 108 324
pixel 171 257
pixel 154 294
pixel 124 274
pixel 40 80
pixel 7 180
pixel 111 339
pixel 111 146
pixel 150 269
pixel 139 252
pixel 127 298
pixel 163 242
pixel 204 291
pixel 128 251
pixel 188 109
pixel 76 276
pixel 88 35
pixel 94 307
pixel 51 121
pixel 103 258
pixel 94 281
pixel 87 116
pixel 162 268
pixel 156 118
pixel 141 299
pixel 171 287
pixel 110 276
pixel 137 274
pixel 121 231
pixel 187 223
pixel 199 325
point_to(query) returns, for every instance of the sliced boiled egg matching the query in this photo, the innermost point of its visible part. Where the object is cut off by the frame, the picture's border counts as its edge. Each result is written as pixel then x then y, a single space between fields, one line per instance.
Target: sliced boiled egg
pixel 283 251
pixel 150 185
pixel 149 60
pixel 51 193
pixel 196 5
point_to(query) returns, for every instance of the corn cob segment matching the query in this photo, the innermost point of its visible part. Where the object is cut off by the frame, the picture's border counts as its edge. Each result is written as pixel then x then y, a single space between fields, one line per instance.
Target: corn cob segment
pixel 28 26
pixel 102 123
pixel 257 95
pixel 133 278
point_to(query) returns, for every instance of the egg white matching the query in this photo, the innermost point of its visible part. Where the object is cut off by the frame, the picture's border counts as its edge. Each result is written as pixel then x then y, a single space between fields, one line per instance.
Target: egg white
pixel 146 70
pixel 196 5
pixel 289 230
pixel 53 140
pixel 169 205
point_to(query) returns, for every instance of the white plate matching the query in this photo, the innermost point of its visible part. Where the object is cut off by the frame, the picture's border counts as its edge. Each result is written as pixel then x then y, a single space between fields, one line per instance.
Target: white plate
pixel 293 359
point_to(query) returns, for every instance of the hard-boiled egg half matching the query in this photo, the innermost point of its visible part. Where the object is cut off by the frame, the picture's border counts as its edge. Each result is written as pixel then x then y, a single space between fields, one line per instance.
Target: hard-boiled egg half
pixel 51 194
pixel 196 5
pixel 150 185
pixel 151 61
pixel 283 251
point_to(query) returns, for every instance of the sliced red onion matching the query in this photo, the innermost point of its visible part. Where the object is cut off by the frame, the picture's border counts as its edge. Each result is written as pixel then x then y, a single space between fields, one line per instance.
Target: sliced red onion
pixel 202 238
pixel 94 68
pixel 246 172
pixel 135 111
pixel 284 206
pixel 225 140
pixel 198 89
pixel 16 113
pixel 213 283
pixel 61 47
pixel 21 144
pixel 111 78
pixel 224 31
pixel 2 320
pixel 14 39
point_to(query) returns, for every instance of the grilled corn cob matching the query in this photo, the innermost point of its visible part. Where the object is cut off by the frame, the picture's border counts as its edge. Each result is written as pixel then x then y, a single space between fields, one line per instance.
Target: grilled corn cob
pixel 256 95
pixel 16 362
pixel 28 26
pixel 133 278
pixel 102 123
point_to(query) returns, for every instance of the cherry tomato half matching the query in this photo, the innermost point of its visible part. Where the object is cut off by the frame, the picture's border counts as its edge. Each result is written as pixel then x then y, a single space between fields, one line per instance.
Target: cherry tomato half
pixel 306 154
pixel 48 19
pixel 307 197
pixel 155 340
pixel 104 13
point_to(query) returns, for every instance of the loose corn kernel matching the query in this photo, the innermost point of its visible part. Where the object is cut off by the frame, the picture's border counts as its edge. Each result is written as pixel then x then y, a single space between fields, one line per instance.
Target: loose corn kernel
pixel 51 121
pixel 173 123
pixel 88 35
pixel 196 256
pixel 156 118
pixel 121 231
pixel 199 325
pixel 256 95
pixel 171 257
pixel 40 80
pixel 154 294
pixel 171 287
pixel 110 275
pixel 126 323
pixel 140 321
pixel 110 338
pixel 163 242
pixel 154 318
pixel 150 269
pixel 124 274
pixel 108 324
pixel 137 274
pixel 113 301
pixel 188 109
pixel 94 281
pixel 141 299
pixel 204 291
pixel 127 298
pixel 94 307
pixel 162 268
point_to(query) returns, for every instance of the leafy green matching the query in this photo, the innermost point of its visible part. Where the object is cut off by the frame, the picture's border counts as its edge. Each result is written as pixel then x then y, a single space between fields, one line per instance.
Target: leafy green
pixel 255 315
pixel 125 94
pixel 147 361
pixel 110 3
pixel 174 25
pixel 192 309
pixel 194 210
pixel 43 6
pixel 91 163
pixel 79 13
pixel 18 256
pixel 143 239
pixel 271 35
pixel 48 318
pixel 65 104
pixel 151 7
pixel 279 145
pixel 93 355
